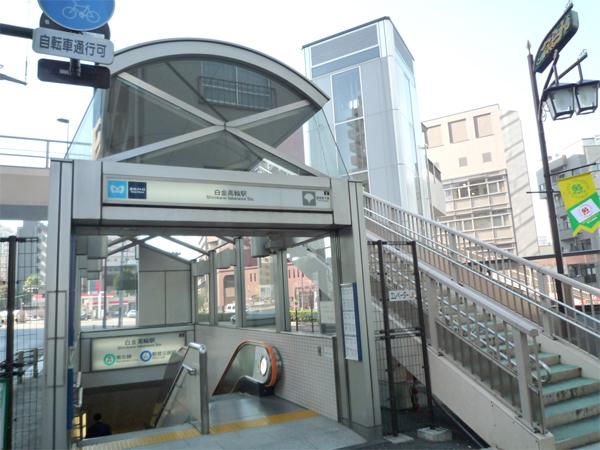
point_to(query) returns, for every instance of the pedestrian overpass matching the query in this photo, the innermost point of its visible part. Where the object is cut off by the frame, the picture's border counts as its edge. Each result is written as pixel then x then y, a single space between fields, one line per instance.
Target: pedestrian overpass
pixel 185 144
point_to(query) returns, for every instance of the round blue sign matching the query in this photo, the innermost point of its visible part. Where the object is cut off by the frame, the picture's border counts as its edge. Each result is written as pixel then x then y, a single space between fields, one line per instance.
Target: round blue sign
pixel 146 355
pixel 79 15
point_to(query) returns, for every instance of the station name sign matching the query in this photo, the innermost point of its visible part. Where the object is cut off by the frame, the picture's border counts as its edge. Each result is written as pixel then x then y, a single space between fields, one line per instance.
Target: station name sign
pixel 556 39
pixel 125 352
pixel 205 194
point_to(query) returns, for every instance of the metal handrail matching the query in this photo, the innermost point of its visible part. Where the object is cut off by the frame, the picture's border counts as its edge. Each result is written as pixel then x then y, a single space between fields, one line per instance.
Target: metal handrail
pixel 513 276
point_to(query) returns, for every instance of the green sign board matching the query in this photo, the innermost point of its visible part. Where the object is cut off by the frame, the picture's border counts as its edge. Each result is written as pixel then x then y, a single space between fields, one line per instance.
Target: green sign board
pixel 556 39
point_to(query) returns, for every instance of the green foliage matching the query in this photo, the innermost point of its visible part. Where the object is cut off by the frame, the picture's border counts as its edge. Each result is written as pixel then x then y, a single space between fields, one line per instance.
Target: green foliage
pixel 304 315
pixel 32 283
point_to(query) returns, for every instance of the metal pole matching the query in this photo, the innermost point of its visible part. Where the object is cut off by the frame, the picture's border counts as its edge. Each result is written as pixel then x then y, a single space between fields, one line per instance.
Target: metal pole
pixel 426 369
pixel 547 179
pixel 10 335
pixel 388 342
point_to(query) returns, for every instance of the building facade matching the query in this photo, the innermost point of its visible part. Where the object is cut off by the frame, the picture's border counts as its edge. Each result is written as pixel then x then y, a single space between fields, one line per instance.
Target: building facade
pixel 484 169
pixel 368 73
pixel 584 157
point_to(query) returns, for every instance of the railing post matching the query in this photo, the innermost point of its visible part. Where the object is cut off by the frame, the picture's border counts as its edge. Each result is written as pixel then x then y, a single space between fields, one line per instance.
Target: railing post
pixel 453 247
pixel 203 379
pixel 47 154
pixel 433 311
pixel 35 362
pixel 20 366
pixel 546 317
pixel 523 375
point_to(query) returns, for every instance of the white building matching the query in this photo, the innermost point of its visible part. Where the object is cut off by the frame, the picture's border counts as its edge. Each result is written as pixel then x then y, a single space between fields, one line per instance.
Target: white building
pixel 482 160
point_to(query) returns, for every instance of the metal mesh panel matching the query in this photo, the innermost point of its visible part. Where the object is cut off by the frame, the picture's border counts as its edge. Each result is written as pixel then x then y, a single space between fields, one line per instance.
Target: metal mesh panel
pixel 405 398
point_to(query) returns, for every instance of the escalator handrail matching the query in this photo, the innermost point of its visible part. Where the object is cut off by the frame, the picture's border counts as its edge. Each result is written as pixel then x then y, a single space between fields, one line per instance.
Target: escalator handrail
pixel 272 356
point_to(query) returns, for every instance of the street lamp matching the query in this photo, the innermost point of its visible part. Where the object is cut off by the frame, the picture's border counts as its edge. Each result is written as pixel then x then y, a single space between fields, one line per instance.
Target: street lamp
pixel 66 122
pixel 562 101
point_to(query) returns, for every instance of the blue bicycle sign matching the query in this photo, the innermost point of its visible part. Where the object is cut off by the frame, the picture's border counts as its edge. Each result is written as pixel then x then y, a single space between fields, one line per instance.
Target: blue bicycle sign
pixel 79 15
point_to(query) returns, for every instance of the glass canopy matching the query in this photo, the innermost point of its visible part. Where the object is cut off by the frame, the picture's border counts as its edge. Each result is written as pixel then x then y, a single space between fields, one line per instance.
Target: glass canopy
pixel 207 111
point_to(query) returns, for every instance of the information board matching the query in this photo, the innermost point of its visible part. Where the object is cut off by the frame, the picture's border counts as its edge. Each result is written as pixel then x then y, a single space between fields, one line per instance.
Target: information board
pixel 351 323
pixel 124 352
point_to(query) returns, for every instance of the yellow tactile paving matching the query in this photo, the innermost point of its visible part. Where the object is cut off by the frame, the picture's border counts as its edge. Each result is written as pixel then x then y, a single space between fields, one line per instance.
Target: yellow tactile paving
pixel 263 421
pixel 192 432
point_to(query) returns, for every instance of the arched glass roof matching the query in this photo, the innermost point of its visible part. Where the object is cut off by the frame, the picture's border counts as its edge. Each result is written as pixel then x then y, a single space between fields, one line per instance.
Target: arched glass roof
pixel 207 104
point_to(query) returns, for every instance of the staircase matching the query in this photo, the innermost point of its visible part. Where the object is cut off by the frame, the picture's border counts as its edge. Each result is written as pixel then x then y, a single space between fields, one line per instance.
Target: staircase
pixel 493 315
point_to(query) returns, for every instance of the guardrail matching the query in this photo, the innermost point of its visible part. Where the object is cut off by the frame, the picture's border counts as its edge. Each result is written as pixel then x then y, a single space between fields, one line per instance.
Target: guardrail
pixel 516 283
pixel 485 338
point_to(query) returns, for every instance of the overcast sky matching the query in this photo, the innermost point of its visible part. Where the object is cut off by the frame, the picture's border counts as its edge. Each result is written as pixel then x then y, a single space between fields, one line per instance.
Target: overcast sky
pixel 468 53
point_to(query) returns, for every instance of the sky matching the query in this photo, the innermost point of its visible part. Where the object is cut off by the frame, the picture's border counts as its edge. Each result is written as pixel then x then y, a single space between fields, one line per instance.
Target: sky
pixel 468 54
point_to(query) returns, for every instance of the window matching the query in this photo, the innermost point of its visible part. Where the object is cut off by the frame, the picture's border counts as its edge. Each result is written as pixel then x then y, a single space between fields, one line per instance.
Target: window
pixel 433 136
pixel 458 131
pixel 487 157
pixel 483 125
pixel 484 222
pixel 227 84
pixel 349 122
pixel 462 162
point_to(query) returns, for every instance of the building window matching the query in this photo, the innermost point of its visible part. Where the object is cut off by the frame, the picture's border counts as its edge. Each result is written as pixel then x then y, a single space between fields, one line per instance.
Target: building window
pixel 433 136
pixel 483 125
pixel 462 162
pixel 349 122
pixel 458 131
pixel 487 157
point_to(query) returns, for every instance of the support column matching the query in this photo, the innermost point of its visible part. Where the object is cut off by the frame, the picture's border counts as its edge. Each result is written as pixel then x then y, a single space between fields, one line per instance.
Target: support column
pixel 56 408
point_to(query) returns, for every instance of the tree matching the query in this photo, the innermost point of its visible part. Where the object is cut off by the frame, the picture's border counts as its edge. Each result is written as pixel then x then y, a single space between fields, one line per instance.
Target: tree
pixel 32 284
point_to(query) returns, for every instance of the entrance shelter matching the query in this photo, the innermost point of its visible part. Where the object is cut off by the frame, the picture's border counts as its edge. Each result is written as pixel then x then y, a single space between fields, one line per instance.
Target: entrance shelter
pixel 183 168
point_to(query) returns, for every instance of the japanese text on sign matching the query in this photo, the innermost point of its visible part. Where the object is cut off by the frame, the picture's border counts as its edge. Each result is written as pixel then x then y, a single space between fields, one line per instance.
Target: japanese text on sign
pixel 71 45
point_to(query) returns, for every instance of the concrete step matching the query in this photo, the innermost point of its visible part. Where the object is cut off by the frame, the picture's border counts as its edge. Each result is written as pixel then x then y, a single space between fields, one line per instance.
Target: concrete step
pixel 576 434
pixel 563 390
pixel 561 372
pixel 572 410
pixel 551 359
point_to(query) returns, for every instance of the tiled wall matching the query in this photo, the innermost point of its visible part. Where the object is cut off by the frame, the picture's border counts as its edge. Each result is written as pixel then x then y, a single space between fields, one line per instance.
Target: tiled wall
pixel 308 377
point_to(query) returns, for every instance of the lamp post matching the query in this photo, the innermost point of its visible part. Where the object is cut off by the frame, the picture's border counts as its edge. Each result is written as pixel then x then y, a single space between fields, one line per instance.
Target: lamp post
pixel 560 99
pixel 66 122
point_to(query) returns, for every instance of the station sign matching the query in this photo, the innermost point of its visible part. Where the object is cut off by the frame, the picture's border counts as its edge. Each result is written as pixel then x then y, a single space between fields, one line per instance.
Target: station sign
pixel 126 352
pixel 73 46
pixel 556 39
pixel 223 195
pixel 79 15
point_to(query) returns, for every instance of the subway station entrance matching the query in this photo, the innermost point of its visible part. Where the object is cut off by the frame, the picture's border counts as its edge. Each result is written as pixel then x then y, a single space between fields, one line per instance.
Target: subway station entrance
pixel 191 250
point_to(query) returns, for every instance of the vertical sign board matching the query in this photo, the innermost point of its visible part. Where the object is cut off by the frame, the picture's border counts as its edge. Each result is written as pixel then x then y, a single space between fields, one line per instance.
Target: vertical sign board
pixel 351 323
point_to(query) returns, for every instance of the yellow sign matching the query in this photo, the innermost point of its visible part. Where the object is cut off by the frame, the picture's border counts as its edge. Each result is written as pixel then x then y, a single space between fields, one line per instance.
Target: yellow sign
pixel 582 202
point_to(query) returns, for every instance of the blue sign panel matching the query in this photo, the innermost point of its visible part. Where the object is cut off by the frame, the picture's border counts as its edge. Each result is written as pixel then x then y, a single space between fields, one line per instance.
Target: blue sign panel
pixel 116 189
pixel 79 15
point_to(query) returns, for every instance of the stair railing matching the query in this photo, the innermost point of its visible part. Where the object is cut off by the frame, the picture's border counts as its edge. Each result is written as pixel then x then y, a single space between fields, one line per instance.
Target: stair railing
pixel 486 339
pixel 519 284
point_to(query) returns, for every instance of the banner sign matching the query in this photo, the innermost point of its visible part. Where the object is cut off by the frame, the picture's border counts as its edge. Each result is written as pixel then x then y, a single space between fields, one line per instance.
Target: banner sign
pixel 582 202
pixel 556 39
pixel 126 352
pixel 181 193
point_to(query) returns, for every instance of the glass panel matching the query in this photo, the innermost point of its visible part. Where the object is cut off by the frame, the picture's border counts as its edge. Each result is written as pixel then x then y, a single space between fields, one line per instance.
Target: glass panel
pixel 310 287
pixel 221 88
pixel 111 301
pixel 350 137
pixel 220 150
pixel 322 152
pixel 136 117
pixel 350 60
pixel 273 131
pixel 261 291
pixel 226 295
pixel 203 298
pixel 347 98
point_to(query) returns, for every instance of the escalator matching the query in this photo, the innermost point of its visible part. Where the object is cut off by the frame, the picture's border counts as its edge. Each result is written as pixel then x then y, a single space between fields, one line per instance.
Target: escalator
pixel 244 391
